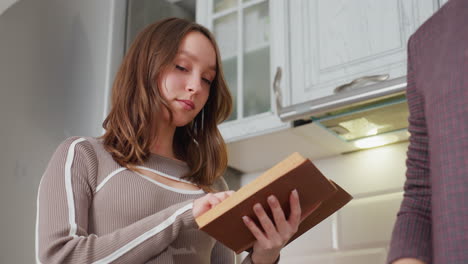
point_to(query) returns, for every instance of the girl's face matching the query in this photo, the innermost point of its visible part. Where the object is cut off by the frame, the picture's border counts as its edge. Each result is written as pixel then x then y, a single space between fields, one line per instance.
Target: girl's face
pixel 186 84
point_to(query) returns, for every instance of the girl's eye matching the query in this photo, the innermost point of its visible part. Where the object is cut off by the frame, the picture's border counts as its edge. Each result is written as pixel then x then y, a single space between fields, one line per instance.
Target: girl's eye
pixel 180 68
pixel 207 81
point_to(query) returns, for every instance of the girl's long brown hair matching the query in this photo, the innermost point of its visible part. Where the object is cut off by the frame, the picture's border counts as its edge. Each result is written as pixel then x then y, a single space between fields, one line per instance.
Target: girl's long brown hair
pixel 136 100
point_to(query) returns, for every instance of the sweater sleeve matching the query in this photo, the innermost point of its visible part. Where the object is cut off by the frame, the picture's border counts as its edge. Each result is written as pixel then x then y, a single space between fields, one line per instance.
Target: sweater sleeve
pixel 64 197
pixel 222 254
pixel 411 236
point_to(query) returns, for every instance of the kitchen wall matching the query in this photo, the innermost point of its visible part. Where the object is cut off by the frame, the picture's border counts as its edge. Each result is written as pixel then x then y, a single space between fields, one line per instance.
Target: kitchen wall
pixel 360 232
pixel 54 76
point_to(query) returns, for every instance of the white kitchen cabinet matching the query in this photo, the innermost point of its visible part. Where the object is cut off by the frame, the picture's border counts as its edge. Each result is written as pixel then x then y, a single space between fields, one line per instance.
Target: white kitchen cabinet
pixel 333 42
pixel 442 2
pixel 252 46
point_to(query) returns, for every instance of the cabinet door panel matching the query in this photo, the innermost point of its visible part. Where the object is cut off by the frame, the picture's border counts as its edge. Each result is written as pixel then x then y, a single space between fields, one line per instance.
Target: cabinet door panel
pixel 256 61
pixel 230 75
pixel 244 33
pixel 344 27
pixel 336 41
pixel 222 5
pixel 225 29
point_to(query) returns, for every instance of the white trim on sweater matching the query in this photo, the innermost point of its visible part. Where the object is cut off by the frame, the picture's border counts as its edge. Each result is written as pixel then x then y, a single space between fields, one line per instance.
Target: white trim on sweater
pixel 148 234
pixel 38 261
pixel 112 174
pixel 165 175
pixel 69 188
pixel 167 187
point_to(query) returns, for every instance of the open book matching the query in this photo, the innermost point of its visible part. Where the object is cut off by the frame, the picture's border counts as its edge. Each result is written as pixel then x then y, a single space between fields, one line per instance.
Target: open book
pixel 224 221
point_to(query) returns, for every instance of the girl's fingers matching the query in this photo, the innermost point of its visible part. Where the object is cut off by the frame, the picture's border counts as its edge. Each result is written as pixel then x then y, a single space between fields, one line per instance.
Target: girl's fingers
pixel 278 215
pixel 294 203
pixel 265 221
pixel 223 195
pixel 213 200
pixel 274 234
pixel 256 232
pixel 203 204
pixel 210 200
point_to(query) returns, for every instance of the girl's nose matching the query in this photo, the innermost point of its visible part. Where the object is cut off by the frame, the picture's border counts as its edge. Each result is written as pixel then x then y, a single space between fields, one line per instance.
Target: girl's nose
pixel 194 85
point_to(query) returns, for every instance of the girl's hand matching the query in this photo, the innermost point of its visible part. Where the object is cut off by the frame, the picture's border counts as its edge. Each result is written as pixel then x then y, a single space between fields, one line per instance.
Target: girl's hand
pixel 210 200
pixel 269 243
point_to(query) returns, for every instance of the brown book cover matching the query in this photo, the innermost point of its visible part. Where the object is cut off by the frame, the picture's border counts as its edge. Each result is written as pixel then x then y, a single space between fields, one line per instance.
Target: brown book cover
pixel 224 221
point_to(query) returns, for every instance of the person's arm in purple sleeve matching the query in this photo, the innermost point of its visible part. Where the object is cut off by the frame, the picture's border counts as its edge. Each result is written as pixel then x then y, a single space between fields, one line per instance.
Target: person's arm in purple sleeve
pixel 411 238
pixel 408 261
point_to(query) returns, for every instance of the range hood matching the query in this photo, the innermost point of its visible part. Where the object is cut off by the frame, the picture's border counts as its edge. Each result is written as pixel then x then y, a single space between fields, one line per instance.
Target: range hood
pixel 369 125
pixel 367 116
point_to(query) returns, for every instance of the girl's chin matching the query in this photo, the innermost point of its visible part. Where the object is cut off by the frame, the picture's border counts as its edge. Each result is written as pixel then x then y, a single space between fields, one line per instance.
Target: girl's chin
pixel 181 123
pixel 179 120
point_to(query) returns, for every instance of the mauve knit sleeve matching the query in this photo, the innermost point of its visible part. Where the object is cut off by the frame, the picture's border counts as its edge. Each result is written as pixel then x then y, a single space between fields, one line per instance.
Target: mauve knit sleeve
pixel 64 196
pixel 411 236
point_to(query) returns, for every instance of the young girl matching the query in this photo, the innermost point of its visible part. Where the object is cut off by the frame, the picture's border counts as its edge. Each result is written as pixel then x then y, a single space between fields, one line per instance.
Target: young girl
pixel 131 196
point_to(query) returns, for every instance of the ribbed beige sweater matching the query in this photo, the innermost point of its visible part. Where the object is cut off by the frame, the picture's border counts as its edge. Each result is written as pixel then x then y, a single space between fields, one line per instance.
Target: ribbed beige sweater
pixel 91 210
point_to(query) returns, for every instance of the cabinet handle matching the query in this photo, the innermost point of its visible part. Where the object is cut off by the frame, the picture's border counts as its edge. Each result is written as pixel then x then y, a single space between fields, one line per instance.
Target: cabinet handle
pixel 361 81
pixel 277 89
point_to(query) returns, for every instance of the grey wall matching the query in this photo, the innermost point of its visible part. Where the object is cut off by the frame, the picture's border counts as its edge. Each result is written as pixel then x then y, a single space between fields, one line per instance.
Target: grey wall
pixel 55 67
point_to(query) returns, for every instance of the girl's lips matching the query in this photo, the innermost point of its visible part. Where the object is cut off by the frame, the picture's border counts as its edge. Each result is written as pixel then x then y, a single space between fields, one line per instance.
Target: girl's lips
pixel 187 104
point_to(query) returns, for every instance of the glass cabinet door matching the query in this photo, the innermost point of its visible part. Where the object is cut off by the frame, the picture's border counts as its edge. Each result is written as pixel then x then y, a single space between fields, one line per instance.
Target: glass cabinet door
pixel 251 54
pixel 256 60
pixel 242 28
pixel 225 30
